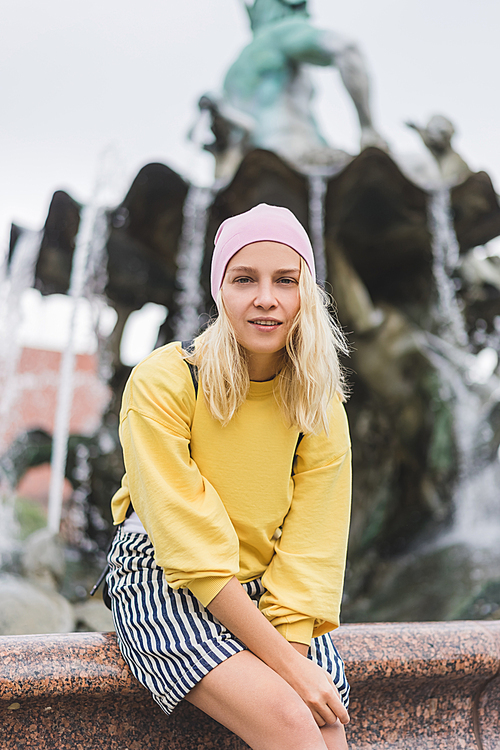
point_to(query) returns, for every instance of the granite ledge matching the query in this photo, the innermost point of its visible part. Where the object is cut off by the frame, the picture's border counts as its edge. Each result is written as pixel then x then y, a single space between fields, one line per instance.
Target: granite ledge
pixel 431 686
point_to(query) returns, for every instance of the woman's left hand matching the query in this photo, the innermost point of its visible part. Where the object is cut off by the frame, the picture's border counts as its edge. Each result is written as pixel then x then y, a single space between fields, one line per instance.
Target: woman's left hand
pixel 304 650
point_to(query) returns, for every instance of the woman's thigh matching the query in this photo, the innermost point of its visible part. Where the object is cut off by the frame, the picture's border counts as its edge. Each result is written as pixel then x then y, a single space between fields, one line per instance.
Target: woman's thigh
pixel 254 702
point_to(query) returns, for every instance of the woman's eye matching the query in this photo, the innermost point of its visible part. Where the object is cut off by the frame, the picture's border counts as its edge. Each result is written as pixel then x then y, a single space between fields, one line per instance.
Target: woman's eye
pixel 287 281
pixel 242 280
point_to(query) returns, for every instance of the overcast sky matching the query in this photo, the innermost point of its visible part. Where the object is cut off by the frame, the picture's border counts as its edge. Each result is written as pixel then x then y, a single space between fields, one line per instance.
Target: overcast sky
pixel 123 77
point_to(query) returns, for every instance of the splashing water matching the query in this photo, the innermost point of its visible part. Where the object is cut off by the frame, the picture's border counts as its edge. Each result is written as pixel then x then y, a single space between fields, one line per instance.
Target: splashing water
pixel 318 184
pixel 91 241
pixel 473 391
pixel 476 520
pixel 190 259
pixel 446 256
pixel 16 278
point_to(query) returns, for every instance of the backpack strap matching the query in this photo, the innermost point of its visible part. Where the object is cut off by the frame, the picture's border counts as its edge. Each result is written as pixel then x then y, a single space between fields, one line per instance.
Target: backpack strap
pixel 301 435
pixel 189 348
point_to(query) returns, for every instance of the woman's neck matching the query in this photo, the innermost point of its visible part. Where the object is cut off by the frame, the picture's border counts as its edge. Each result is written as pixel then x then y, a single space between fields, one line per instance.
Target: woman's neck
pixel 262 367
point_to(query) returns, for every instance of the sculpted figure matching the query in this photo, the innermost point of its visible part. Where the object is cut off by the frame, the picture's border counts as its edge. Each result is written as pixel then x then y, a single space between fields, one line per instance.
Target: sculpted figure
pixel 437 136
pixel 269 83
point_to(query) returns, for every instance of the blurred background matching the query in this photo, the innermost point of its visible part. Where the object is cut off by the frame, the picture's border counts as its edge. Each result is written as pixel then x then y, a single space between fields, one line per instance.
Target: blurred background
pixel 94 93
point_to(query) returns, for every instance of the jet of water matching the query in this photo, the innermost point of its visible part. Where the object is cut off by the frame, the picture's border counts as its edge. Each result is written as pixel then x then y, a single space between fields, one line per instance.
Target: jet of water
pixel 446 256
pixel 318 184
pixel 91 241
pixel 190 259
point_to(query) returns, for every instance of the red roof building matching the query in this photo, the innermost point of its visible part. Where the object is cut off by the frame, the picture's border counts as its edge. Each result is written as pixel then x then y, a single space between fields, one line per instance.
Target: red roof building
pixel 35 402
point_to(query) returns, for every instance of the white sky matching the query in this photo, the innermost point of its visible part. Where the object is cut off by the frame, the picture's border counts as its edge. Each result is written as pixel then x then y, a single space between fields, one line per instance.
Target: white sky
pixel 78 80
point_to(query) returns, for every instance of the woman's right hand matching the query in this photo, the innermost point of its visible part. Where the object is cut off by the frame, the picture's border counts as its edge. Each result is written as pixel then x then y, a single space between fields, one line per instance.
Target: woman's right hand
pixel 315 687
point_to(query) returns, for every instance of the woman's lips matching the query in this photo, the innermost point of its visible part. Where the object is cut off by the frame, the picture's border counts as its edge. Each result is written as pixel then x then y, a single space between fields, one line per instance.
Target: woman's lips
pixel 265 325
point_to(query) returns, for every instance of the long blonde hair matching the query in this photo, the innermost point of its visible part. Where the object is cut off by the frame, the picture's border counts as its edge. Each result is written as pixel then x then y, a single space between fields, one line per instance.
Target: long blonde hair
pixel 310 372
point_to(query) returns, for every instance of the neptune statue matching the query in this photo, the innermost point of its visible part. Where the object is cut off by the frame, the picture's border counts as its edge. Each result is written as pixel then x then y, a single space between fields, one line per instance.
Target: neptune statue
pixel 267 92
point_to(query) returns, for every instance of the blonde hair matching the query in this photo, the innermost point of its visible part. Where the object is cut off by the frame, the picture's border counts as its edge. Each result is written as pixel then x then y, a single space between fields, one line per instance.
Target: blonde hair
pixel 310 372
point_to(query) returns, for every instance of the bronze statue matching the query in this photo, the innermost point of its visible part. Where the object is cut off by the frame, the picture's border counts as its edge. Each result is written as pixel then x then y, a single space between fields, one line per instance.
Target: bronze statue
pixel 267 92
pixel 437 136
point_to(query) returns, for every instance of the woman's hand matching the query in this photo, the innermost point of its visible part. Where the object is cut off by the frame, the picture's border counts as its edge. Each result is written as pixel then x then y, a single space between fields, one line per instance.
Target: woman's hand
pixel 315 687
pixel 233 607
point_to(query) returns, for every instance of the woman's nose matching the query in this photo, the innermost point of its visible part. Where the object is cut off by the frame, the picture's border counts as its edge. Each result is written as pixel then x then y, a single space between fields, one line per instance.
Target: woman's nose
pixel 265 296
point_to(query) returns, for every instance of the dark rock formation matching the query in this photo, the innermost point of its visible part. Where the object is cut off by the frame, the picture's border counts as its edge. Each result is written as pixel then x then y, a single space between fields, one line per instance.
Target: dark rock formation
pixel 476 211
pixel 144 236
pixel 53 268
pixel 379 217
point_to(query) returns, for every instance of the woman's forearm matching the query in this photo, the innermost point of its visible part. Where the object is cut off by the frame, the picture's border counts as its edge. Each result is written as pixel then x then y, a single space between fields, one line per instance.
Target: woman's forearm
pixel 236 611
pixel 301 648
pixel 234 608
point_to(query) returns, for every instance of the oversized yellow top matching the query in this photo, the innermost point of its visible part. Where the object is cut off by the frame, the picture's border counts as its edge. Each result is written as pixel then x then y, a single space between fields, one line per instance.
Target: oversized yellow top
pixel 212 498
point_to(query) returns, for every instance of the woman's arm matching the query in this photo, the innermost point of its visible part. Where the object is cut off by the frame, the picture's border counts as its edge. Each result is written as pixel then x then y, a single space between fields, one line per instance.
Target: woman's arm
pixel 234 608
pixel 195 542
pixel 305 576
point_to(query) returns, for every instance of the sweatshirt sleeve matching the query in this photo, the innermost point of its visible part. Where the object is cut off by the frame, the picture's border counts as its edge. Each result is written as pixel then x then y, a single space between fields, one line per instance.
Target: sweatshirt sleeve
pixel 304 581
pixel 194 540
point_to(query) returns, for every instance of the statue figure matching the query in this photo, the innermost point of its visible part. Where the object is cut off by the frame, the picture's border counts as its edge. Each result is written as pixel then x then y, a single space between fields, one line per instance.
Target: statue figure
pixel 437 136
pixel 269 85
pixel 231 129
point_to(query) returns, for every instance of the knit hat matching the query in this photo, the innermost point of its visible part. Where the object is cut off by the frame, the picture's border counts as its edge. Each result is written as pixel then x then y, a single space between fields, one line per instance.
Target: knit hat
pixel 260 224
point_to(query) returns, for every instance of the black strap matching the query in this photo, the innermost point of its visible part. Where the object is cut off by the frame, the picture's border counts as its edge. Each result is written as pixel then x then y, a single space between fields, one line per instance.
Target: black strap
pixel 102 576
pixel 299 439
pixel 104 572
pixel 189 348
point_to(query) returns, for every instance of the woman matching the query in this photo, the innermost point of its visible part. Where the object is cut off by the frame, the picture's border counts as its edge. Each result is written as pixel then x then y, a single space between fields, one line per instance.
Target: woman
pixel 240 491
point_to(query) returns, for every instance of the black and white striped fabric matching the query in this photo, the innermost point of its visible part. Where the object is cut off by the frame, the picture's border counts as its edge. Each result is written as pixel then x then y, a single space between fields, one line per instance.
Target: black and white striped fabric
pixel 168 639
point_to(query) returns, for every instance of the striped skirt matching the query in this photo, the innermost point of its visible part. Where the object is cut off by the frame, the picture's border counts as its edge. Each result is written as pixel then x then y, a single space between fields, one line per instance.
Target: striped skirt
pixel 168 639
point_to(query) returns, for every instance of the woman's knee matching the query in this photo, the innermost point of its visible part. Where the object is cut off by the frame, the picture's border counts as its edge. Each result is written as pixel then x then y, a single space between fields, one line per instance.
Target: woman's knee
pixel 294 713
pixel 295 722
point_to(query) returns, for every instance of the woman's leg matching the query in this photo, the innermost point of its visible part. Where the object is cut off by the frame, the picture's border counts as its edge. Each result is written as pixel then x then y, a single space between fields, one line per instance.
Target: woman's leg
pixel 254 702
pixel 334 736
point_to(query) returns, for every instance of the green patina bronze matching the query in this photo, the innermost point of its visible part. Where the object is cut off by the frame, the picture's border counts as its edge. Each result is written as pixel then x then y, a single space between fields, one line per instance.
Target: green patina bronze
pixel 267 92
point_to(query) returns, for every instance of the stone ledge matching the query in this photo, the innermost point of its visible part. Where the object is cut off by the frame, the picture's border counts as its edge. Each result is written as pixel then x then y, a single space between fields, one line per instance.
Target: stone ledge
pixel 414 685
pixel 423 685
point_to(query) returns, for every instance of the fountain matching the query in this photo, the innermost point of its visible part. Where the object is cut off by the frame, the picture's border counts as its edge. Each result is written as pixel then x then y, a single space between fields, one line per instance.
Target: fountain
pixel 420 302
pixel 189 261
pixel 15 278
pixel 91 239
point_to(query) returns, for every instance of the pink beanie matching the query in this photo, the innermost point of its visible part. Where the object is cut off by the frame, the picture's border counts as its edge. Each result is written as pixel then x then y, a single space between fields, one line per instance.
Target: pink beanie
pixel 262 223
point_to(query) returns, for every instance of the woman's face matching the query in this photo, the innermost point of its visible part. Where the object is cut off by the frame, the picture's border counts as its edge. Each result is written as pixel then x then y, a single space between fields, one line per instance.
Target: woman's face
pixel 261 297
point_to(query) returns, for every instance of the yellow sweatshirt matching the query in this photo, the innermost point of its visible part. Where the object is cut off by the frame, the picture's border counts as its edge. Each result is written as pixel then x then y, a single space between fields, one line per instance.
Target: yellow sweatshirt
pixel 213 499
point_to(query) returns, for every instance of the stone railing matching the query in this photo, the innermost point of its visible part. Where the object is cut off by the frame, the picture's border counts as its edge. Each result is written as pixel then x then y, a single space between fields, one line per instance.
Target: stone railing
pixel 414 685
